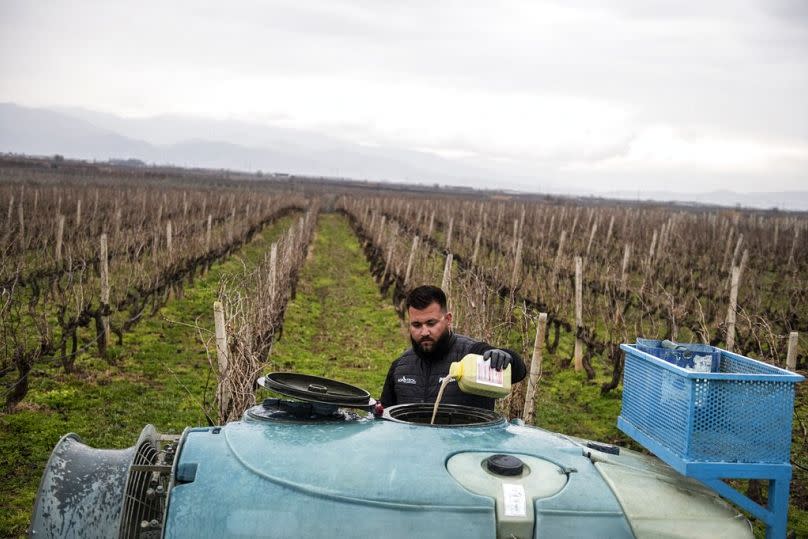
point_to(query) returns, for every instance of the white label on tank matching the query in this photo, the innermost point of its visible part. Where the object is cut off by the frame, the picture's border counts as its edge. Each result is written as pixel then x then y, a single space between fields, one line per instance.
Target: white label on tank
pixel 515 502
pixel 487 375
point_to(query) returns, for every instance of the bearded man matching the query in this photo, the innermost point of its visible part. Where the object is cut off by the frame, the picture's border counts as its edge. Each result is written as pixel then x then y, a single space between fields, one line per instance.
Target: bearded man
pixel 416 375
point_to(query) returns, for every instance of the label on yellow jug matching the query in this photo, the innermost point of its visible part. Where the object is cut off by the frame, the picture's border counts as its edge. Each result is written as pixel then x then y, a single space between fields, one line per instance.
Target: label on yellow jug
pixel 488 376
pixel 475 376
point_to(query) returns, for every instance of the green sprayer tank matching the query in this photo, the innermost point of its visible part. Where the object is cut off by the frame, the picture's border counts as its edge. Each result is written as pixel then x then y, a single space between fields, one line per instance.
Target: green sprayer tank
pixel 330 464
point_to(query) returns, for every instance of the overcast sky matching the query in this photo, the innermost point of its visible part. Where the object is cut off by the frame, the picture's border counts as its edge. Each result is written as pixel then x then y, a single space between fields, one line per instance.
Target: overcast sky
pixel 595 95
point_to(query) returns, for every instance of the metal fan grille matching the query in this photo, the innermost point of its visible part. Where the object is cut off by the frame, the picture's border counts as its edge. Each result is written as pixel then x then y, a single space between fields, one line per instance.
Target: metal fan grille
pixel 146 490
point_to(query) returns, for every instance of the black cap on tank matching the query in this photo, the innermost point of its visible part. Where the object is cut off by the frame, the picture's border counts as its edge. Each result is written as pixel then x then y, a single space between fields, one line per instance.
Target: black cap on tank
pixel 504 465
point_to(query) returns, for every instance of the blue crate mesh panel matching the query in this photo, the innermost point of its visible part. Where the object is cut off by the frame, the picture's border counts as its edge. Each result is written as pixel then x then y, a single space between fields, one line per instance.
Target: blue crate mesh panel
pixel 739 421
pixel 711 420
pixel 658 403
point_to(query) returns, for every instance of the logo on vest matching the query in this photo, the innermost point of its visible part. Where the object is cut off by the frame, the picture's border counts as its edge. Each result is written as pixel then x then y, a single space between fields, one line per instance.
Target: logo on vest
pixel 440 380
pixel 405 380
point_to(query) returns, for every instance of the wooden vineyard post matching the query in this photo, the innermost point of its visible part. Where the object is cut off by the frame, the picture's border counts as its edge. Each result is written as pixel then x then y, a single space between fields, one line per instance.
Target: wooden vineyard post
pixel 791 355
pixel 380 234
pixel 578 353
pixel 794 245
pixel 476 246
pixel 410 260
pixel 517 265
pixel 60 230
pixel 725 259
pixel 535 371
pixel 273 271
pixel 21 215
pixel 737 250
pixel 609 232
pixel 624 270
pixel 104 268
pixel 117 222
pixel 222 392
pixel 169 239
pixel 389 258
pixel 733 307
pixel 591 237
pixel 207 233
pixel 155 243
pixel 558 257
pixel 651 251
pixel 446 283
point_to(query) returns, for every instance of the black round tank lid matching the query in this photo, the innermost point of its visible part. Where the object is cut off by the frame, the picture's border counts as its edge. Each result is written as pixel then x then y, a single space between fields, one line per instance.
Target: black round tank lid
pixel 504 465
pixel 316 389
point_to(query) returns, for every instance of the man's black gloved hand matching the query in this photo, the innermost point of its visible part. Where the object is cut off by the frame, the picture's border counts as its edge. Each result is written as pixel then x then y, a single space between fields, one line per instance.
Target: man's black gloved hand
pixel 500 359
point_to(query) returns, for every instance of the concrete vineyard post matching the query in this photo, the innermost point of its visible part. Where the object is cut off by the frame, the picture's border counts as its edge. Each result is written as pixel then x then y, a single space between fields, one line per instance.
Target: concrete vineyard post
pixel 222 357
pixel 578 353
pixel 431 225
pixel 535 371
pixel 449 235
pixel 104 268
pixel 169 238
pixel 791 355
pixel 78 213
pixel 733 307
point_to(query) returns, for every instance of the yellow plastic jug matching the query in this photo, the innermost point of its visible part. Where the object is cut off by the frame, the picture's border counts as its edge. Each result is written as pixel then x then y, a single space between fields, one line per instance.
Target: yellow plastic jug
pixel 475 376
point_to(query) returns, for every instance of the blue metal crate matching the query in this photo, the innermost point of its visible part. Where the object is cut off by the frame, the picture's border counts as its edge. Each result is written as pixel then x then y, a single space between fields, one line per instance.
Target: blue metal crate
pixel 739 413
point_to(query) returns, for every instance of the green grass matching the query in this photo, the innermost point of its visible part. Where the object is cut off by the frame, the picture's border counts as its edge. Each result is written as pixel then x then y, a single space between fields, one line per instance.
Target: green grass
pixel 339 325
pixel 160 377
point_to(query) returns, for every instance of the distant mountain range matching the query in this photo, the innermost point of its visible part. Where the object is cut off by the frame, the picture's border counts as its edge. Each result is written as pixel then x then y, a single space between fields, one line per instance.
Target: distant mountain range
pixel 181 141
pixel 229 144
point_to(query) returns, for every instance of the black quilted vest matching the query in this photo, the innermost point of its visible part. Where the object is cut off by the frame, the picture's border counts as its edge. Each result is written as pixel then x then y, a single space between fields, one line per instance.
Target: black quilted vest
pixel 412 379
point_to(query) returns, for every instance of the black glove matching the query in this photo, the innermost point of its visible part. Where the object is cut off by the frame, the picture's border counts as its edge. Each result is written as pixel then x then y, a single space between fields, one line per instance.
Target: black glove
pixel 500 359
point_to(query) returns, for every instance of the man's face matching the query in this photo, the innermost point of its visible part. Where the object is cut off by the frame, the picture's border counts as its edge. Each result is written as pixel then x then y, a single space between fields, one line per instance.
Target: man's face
pixel 428 325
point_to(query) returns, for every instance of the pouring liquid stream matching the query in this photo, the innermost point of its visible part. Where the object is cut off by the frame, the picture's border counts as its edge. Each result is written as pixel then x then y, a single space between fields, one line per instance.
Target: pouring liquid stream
pixel 443 384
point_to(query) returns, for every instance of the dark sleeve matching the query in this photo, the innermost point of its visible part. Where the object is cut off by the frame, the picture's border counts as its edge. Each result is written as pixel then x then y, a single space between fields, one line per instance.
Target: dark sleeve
pixel 518 369
pixel 388 397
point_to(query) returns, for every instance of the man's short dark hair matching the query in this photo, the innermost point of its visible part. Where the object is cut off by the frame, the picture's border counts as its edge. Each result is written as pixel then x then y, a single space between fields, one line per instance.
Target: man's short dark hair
pixel 424 296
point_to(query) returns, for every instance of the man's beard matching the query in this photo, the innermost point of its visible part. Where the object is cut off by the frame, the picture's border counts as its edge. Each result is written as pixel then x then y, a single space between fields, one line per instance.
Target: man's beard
pixel 438 348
